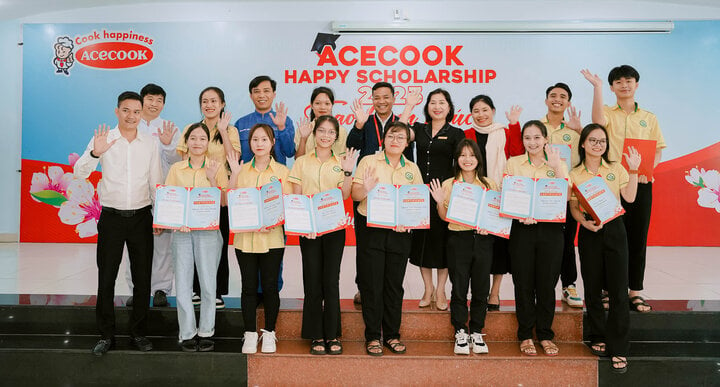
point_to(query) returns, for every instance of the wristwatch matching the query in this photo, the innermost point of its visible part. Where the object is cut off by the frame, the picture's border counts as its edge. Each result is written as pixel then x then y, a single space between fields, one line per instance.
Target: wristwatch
pixel 347 173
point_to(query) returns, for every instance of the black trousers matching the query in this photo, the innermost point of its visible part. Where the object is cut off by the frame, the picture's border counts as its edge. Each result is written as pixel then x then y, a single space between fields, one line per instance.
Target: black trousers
pixel 604 263
pixel 469 259
pixel 535 254
pixel 568 269
pixel 321 259
pixel 268 264
pixel 637 223
pixel 381 271
pixel 223 272
pixel 115 230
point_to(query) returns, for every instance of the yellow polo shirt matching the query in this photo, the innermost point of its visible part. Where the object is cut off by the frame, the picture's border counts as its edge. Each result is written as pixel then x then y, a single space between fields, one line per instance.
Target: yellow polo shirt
pixel 521 166
pixel 564 135
pixel 614 174
pixel 181 174
pixel 338 147
pixel 216 150
pixel 447 186
pixel 638 124
pixel 316 176
pixel 261 242
pixel 405 173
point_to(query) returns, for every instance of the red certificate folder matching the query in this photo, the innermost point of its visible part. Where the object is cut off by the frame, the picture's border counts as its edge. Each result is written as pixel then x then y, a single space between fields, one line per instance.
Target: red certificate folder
pixel 646 148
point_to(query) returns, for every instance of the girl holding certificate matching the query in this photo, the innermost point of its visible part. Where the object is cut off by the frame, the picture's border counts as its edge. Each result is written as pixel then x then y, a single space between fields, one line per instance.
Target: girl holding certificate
pixel 469 253
pixel 199 248
pixel 536 248
pixel 381 264
pixel 604 248
pixel 322 100
pixel 223 139
pixel 315 172
pixel 498 144
pixel 260 251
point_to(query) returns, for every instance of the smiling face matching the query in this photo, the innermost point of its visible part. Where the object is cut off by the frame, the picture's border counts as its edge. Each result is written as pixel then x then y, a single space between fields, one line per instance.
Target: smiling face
pixel 557 100
pixel 260 143
pixel 128 114
pixel 482 114
pixel 395 141
pixel 211 104
pixel 383 100
pixel 153 105
pixel 438 107
pixel 197 142
pixel 467 160
pixel 61 51
pixel 624 87
pixel 596 143
pixel 262 96
pixel 533 140
pixel 321 105
pixel 325 135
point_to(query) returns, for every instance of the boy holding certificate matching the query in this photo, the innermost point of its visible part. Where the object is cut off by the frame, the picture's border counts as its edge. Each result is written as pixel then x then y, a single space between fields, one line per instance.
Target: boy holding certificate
pixel 626 121
pixel 312 173
pixel 603 247
pixel 469 253
pixel 382 263
pixel 199 248
pixel 536 248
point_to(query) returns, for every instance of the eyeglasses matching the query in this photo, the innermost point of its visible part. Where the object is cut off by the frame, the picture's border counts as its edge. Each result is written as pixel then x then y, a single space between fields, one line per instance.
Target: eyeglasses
pixel 323 132
pixel 391 138
pixel 596 141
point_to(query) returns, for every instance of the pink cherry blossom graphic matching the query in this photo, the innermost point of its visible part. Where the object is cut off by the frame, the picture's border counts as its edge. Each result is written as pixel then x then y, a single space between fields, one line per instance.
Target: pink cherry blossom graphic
pixel 82 208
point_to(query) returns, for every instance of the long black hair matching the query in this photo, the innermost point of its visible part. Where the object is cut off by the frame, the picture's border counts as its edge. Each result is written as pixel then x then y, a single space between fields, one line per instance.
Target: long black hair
pixel 217 138
pixel 480 171
pixel 584 135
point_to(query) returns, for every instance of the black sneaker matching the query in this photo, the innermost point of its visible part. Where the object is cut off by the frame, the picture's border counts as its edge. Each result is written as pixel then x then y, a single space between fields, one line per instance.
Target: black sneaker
pixel 190 345
pixel 160 299
pixel 219 303
pixel 141 343
pixel 102 346
pixel 206 344
pixel 196 299
pixel 129 301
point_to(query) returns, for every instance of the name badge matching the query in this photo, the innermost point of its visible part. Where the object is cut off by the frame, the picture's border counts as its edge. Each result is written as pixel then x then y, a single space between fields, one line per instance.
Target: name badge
pixel 442 138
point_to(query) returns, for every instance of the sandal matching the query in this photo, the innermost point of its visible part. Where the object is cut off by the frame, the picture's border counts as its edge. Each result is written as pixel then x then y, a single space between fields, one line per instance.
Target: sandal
pixel 549 348
pixel 605 298
pixel 334 343
pixel 395 346
pixel 619 361
pixel 373 348
pixel 636 305
pixel 527 347
pixel 598 349
pixel 317 347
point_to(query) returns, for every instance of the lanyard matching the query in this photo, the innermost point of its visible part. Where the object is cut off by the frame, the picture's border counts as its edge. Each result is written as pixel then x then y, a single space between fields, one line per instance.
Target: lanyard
pixel 377 129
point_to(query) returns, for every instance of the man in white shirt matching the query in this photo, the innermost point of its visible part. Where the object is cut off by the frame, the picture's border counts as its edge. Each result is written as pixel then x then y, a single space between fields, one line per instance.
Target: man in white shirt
pixel 130 165
pixel 166 136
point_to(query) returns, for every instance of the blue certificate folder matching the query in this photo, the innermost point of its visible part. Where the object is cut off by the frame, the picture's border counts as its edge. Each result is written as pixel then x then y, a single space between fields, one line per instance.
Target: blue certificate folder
pixel 321 213
pixel 251 209
pixel 474 206
pixel 598 200
pixel 544 199
pixel 197 208
pixel 389 206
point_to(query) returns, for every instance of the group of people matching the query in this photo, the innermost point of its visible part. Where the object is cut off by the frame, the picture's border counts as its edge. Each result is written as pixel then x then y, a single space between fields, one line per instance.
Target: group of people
pixel 145 150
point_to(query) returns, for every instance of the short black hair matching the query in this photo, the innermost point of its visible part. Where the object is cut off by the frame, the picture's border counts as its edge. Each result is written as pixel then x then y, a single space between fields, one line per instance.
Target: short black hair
pixel 384 84
pixel 125 95
pixel 624 71
pixel 559 85
pixel 451 111
pixel 260 79
pixel 482 98
pixel 536 123
pixel 152 89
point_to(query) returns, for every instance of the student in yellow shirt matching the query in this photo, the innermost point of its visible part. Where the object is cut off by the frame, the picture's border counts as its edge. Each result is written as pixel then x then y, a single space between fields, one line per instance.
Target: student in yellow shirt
pixel 626 120
pixel 604 248
pixel 469 253
pixel 381 263
pixel 536 248
pixel 223 138
pixel 196 249
pixel 322 100
pixel 262 251
pixel 321 170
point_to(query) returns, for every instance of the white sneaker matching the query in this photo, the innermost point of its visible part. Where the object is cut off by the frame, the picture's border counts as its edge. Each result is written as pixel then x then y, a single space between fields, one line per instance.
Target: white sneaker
pixel 268 341
pixel 478 343
pixel 250 342
pixel 570 296
pixel 462 347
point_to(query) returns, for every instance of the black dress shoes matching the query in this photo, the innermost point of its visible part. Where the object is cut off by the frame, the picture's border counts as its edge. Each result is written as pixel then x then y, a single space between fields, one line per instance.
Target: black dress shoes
pixel 160 299
pixel 190 345
pixel 206 344
pixel 102 346
pixel 141 343
pixel 129 301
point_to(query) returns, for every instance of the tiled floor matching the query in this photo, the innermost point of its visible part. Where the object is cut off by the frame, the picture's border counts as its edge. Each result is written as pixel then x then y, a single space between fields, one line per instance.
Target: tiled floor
pixel 673 273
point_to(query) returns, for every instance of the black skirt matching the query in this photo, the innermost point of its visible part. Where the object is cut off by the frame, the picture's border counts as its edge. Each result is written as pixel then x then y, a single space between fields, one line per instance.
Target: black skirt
pixel 429 246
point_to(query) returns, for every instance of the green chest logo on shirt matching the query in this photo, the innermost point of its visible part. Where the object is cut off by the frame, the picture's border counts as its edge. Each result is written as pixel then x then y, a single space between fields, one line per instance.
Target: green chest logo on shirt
pixel 643 123
pixel 550 173
pixel 566 137
pixel 274 179
pixel 610 176
pixel 409 176
pixel 337 169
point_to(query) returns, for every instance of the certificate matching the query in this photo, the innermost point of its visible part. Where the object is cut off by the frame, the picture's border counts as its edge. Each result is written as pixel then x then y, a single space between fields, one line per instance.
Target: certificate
pixel 196 208
pixel 408 205
pixel 321 213
pixel 565 154
pixel 489 218
pixel 251 209
pixel 544 200
pixel 598 200
pixel 479 208
pixel 646 148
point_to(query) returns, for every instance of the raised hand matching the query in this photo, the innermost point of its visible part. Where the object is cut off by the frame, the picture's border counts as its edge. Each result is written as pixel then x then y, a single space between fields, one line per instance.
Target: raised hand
pixel 100 140
pixel 280 116
pixel 513 115
pixel 233 159
pixel 370 180
pixel 553 157
pixel 361 115
pixel 211 169
pixel 594 79
pixel 413 98
pixel 166 134
pixel 436 191
pixel 633 158
pixel 224 122
pixel 305 127
pixel 349 159
pixel 573 121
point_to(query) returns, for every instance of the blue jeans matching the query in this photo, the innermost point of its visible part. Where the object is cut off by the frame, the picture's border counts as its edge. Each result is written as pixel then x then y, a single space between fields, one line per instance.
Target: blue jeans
pixel 199 249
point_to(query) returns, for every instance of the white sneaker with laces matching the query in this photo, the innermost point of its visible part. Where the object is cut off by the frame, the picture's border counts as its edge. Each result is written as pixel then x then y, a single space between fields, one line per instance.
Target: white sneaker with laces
pixel 570 296
pixel 462 347
pixel 268 341
pixel 478 343
pixel 250 342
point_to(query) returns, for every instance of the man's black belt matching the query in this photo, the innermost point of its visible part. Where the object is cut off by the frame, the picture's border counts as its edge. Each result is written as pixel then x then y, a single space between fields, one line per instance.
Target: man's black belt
pixel 126 213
